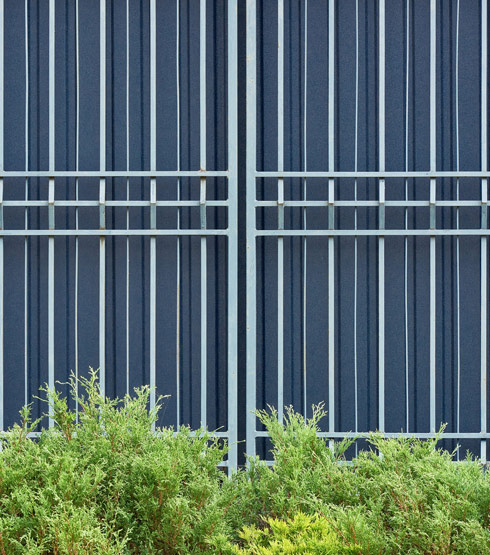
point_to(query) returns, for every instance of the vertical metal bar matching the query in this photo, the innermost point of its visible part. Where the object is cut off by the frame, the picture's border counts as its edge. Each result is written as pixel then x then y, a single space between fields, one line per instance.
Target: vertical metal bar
pixel 51 199
pixel 77 164
pixel 381 240
pixel 356 139
pixel 202 208
pixel 305 165
pixel 280 215
pixel 102 193
pixel 458 279
pixel 432 279
pixel 1 239
pixel 127 196
pixel 251 33
pixel 484 223
pixel 405 246
pixel 331 222
pixel 26 221
pixel 1 213
pixel 153 200
pixel 177 322
pixel 232 234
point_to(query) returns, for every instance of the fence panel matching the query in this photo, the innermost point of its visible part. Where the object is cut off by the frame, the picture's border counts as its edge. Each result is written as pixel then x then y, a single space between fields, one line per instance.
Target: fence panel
pixel 118 202
pixel 367 199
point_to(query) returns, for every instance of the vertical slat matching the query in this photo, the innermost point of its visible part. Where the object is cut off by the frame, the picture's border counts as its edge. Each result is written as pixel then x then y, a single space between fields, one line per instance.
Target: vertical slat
pixel 77 164
pixel 331 241
pixel 432 278
pixel 102 192
pixel 484 223
pixel 356 139
pixel 203 247
pixel 1 250
pixel 51 198
pixel 251 32
pixel 177 320
pixel 1 213
pixel 280 203
pixel 153 199
pixel 458 279
pixel 127 196
pixel 381 244
pixel 305 196
pixel 26 196
pixel 405 246
pixel 232 235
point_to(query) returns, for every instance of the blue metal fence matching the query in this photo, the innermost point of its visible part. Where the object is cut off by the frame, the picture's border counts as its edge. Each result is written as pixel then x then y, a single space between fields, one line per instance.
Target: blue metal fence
pixel 365 190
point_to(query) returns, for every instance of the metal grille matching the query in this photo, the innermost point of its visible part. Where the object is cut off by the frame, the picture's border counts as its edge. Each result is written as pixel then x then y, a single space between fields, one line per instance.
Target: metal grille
pixel 316 208
pixel 366 204
pixel 55 206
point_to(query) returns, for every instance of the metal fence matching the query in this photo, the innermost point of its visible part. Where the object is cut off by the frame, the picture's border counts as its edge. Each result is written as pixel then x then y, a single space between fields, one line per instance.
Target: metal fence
pixel 112 226
pixel 367 200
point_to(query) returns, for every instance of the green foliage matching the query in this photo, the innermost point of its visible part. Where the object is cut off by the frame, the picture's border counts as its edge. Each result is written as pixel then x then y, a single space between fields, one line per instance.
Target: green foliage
pixel 418 499
pixel 306 473
pixel 104 479
pixel 107 483
pixel 401 496
pixel 301 534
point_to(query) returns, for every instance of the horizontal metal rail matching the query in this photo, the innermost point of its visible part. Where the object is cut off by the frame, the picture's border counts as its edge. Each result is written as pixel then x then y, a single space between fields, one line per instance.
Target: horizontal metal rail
pixel 367 174
pixel 367 203
pixel 392 435
pixel 367 232
pixel 116 173
pixel 109 232
pixel 258 203
pixel 115 203
pixel 31 435
pixel 257 174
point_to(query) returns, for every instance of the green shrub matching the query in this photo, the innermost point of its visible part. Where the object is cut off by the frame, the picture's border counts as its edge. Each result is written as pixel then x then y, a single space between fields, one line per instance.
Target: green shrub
pixel 105 481
pixel 401 496
pixel 301 534
pixel 107 484
pixel 418 499
pixel 306 474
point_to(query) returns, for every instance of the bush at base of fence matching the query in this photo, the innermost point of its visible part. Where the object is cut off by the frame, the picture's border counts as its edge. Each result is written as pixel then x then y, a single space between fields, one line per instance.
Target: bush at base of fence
pixel 101 481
